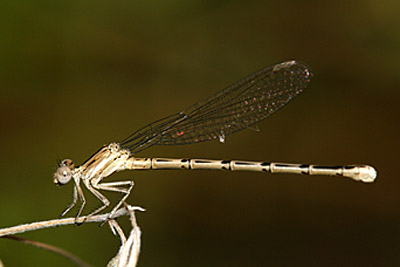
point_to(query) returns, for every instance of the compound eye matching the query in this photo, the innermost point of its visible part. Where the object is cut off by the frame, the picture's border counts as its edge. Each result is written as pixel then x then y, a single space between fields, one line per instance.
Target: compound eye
pixel 63 174
pixel 67 162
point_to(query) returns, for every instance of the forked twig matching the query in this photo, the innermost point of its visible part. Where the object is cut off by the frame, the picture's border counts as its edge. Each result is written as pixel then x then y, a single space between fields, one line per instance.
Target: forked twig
pixel 129 250
pixel 128 253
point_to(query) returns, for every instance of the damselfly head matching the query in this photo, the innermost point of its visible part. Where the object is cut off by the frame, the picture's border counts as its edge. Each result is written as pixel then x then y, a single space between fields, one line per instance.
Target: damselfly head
pixel 64 172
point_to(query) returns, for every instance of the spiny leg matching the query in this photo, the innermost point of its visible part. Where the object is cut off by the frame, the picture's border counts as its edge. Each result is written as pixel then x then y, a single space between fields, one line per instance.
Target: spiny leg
pixel 115 187
pixel 75 197
pixel 97 194
pixel 83 200
pixel 77 192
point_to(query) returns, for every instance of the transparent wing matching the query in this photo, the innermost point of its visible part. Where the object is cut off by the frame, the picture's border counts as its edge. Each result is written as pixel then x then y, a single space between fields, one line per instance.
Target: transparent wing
pixel 237 107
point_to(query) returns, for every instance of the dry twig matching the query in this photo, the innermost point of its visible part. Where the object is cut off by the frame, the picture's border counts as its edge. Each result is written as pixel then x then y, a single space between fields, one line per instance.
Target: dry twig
pixel 129 250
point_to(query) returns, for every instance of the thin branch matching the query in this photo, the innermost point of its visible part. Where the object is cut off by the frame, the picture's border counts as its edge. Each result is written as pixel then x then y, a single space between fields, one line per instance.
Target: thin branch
pixel 58 222
pixel 54 249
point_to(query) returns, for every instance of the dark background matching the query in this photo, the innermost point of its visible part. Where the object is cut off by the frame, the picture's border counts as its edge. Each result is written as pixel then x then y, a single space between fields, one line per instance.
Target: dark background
pixel 75 75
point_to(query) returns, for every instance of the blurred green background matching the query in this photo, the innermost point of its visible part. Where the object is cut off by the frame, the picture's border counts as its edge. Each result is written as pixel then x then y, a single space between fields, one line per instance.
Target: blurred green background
pixel 75 75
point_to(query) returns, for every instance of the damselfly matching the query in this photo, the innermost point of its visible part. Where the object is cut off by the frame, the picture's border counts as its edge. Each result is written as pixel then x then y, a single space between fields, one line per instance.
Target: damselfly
pixel 237 107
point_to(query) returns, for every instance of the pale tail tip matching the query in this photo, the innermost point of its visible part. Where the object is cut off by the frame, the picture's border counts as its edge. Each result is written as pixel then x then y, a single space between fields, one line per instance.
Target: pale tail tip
pixel 361 173
pixel 367 174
